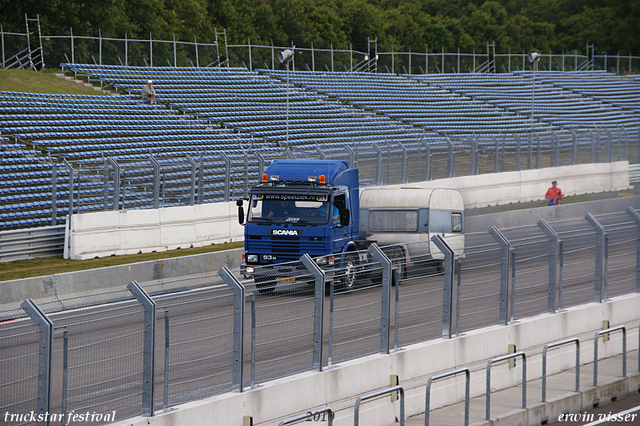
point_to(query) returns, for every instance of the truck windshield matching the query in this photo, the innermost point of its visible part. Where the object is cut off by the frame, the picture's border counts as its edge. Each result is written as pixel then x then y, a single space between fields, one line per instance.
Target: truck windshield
pixel 288 209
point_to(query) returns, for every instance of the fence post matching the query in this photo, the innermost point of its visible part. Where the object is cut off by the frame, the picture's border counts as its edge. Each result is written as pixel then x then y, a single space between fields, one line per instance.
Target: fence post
pixel 636 217
pixel 553 263
pixel 192 192
pixel 73 57
pixel 496 154
pixel 427 164
pixel 529 151
pixel 318 312
pixel 593 146
pixel 238 327
pixel 201 181
pixel 609 145
pixel 600 285
pixel 474 159
pixel 378 165
pixel 447 314
pixel 70 168
pixel 504 273
pixel 227 175
pixel 45 353
pixel 405 177
pixel 156 182
pixel 518 151
pixel 260 163
pixel 450 171
pixel 352 156
pixel 149 351
pixel 386 296
pixel 574 151
pixel 150 49
pixel 54 193
pixel 538 151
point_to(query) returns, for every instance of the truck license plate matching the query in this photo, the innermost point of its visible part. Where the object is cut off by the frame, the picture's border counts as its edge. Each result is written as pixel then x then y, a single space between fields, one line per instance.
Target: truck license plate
pixel 285 280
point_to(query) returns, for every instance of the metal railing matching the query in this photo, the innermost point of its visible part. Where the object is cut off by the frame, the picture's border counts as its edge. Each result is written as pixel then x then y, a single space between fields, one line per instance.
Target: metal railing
pixel 488 374
pixel 220 333
pixel 595 351
pixel 544 364
pixel 467 388
pixel 372 395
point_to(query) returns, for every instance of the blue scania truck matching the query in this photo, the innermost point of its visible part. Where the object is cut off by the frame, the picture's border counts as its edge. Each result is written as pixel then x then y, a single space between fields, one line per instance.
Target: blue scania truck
pixel 314 207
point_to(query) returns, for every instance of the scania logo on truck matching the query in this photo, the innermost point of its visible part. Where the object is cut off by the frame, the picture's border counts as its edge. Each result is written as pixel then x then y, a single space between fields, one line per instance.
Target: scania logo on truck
pixel 286 232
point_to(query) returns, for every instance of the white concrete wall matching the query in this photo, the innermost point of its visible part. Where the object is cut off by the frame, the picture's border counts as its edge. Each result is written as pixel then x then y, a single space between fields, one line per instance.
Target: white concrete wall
pixel 340 386
pixel 531 185
pixel 102 234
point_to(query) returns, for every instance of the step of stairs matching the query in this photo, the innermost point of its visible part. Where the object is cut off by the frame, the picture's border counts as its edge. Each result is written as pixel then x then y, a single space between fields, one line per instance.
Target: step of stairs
pixel 75 80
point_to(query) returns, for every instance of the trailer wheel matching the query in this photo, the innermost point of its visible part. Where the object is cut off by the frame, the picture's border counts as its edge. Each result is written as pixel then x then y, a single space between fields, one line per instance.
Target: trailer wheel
pixel 349 279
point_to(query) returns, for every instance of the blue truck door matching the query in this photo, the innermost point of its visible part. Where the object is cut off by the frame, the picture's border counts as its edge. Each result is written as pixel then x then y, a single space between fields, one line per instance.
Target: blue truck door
pixel 341 229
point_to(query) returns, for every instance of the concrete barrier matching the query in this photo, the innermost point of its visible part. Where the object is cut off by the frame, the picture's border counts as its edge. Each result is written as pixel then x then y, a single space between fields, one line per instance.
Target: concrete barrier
pixel 102 234
pixel 531 185
pixel 80 283
pixel 340 386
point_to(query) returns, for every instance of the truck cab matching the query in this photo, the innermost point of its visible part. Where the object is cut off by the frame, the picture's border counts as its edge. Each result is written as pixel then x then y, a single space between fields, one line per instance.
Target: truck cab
pixel 298 207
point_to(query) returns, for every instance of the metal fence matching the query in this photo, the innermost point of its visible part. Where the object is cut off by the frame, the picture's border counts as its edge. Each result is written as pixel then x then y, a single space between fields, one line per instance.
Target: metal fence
pixel 121 49
pixel 109 184
pixel 151 347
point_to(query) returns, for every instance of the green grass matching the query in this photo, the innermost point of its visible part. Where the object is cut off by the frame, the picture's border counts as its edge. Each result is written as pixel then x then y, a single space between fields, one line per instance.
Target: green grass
pixel 40 82
pixel 56 265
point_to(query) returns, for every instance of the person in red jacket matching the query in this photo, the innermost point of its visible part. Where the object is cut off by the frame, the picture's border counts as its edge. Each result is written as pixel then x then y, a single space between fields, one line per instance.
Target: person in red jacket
pixel 554 194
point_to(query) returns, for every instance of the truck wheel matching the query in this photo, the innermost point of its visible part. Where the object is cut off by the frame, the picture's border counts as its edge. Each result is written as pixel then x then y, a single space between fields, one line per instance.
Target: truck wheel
pixel 349 280
pixel 264 284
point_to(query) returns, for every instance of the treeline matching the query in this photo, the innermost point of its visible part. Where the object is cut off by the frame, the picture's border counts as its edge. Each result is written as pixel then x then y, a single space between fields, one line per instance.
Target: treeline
pixel 612 25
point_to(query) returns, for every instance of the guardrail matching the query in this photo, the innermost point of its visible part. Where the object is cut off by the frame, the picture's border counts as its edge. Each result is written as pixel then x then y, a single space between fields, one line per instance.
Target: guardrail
pixel 356 413
pixel 467 388
pixel 31 243
pixel 544 364
pixel 595 351
pixel 524 380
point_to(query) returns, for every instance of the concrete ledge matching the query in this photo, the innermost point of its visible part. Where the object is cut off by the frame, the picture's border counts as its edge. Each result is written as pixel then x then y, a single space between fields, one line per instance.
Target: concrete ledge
pixel 339 387
pixel 91 281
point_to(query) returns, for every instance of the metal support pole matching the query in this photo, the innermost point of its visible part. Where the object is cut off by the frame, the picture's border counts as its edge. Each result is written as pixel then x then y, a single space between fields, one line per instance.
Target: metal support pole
pixel 192 192
pixel 45 353
pixel 556 149
pixel 238 327
pixel 318 312
pixel 539 151
pixel 167 346
pixel 68 166
pixel 450 171
pixel 405 174
pixel 252 380
pixel 149 350
pixel 116 183
pixel 378 165
pixel 54 193
pixel 504 272
pixel 385 322
pixel 609 145
pixel 260 163
pixel 553 263
pixel 427 164
pixel 447 314
pixel 574 151
pixel 156 182
pixel 600 290
pixel 201 181
pixel 352 156
pixel 518 151
pixel 496 151
pixel 65 377
pixel 227 176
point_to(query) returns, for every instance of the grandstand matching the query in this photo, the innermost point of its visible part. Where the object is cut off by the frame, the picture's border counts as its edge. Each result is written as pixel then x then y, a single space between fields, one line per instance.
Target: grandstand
pixel 212 128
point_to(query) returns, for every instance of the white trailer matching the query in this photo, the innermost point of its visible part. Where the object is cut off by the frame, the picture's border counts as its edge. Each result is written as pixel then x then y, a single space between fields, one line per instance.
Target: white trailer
pixel 412 214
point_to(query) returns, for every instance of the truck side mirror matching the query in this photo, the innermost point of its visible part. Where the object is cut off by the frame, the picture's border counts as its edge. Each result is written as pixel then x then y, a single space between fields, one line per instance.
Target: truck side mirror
pixel 240 212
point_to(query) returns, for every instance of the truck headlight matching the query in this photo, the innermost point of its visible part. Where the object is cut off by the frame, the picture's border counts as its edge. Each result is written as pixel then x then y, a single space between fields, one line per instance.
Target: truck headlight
pixel 249 270
pixel 252 258
pixel 321 260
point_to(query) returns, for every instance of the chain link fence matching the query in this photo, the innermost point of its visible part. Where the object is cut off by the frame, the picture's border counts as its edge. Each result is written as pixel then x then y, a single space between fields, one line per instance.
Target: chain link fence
pixel 149 348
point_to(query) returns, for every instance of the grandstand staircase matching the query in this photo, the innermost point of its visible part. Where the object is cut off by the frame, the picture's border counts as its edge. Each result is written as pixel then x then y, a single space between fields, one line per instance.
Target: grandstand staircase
pixel 85 84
